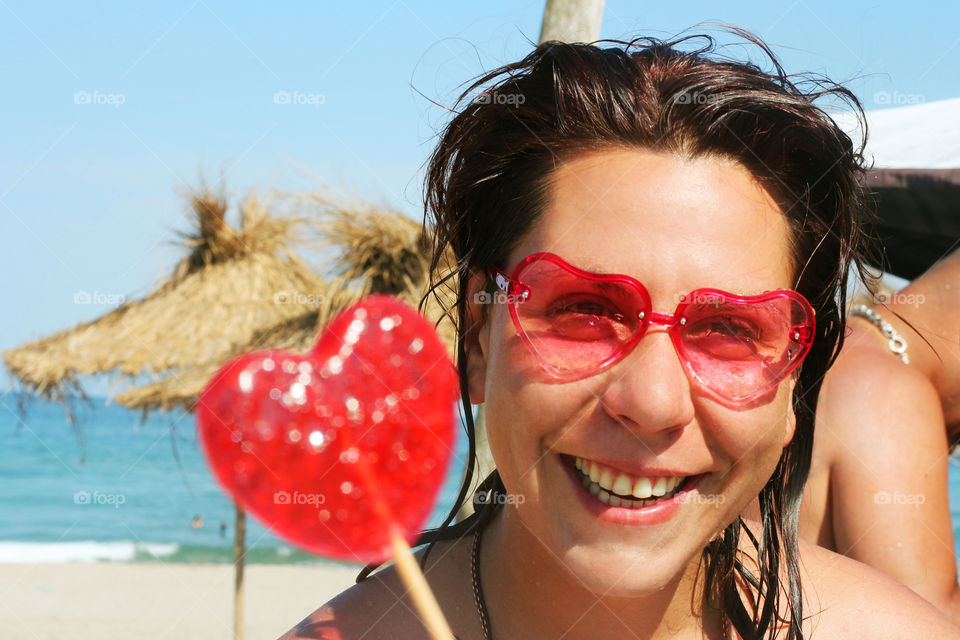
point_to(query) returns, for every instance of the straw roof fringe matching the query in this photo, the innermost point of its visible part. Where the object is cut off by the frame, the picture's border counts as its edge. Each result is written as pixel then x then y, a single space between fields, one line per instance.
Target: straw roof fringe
pixel 380 246
pixel 385 248
pixel 232 284
pixel 180 389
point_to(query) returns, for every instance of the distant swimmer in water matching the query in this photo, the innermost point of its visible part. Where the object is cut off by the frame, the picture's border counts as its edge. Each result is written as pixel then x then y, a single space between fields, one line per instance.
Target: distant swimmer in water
pixel 197 522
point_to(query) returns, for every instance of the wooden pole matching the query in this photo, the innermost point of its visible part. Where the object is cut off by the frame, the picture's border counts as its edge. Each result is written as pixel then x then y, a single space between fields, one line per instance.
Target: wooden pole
pixel 239 541
pixel 572 20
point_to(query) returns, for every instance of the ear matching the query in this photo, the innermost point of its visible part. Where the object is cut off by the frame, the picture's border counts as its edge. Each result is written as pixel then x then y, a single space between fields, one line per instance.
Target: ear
pixel 476 337
pixel 791 416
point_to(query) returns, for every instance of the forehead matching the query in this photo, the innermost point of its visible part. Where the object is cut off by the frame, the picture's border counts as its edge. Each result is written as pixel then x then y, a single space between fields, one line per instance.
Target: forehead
pixel 675 223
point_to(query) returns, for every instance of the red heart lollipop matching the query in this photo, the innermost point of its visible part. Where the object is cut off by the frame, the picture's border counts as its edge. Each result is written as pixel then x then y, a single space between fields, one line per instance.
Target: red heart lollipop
pixel 337 449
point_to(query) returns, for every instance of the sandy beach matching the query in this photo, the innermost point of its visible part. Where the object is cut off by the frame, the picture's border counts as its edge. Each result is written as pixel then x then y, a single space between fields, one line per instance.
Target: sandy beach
pixel 177 601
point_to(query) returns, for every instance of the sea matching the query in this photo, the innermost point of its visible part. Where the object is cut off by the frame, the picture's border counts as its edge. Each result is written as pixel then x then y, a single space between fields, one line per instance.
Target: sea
pixel 114 487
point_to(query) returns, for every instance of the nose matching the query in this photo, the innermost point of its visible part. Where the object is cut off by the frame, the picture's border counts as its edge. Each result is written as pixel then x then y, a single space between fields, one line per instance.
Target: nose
pixel 648 391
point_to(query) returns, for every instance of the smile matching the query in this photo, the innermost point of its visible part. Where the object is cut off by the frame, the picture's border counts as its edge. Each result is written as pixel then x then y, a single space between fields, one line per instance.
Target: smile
pixel 616 488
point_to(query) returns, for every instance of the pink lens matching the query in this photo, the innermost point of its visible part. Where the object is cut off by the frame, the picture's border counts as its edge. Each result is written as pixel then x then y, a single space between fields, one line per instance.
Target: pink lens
pixel 741 347
pixel 578 323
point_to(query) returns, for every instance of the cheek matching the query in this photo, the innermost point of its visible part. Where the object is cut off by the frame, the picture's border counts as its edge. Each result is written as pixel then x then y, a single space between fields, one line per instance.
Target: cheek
pixel 511 425
pixel 526 413
pixel 754 441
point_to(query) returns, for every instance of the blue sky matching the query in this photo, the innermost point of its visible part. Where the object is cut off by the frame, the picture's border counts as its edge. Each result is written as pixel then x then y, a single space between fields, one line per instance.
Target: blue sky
pixel 110 110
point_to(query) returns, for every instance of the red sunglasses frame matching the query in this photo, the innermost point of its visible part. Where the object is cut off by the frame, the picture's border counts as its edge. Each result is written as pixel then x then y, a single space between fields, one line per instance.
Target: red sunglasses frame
pixel 517 292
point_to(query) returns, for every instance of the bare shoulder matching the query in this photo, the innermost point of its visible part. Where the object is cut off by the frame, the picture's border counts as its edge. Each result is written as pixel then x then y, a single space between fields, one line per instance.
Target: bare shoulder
pixel 378 608
pixel 868 385
pixel 367 609
pixel 846 599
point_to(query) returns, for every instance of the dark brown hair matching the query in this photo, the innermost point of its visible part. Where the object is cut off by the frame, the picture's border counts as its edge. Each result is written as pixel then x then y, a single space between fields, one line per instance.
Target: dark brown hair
pixel 486 185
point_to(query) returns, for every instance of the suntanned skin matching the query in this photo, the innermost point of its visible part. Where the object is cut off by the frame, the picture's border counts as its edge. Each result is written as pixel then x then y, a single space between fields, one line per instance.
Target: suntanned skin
pixel 550 567
pixel 877 490
pixel 379 609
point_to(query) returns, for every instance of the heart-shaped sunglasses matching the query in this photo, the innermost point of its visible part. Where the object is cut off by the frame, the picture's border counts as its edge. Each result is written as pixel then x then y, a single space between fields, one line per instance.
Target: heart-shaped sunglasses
pixel 578 323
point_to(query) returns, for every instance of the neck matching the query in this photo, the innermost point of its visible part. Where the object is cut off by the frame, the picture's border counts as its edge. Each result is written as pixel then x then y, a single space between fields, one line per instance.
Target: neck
pixel 520 574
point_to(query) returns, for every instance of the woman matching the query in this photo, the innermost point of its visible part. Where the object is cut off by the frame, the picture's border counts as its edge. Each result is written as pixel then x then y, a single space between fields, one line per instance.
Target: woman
pixel 889 411
pixel 633 417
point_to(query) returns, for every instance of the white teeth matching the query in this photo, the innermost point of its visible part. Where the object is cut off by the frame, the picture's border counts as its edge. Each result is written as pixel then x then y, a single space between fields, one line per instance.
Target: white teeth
pixel 660 487
pixel 606 479
pixel 623 485
pixel 607 484
pixel 642 488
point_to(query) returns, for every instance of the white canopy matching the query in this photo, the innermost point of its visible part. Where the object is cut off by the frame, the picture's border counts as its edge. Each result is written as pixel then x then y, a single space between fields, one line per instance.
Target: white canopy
pixel 921 136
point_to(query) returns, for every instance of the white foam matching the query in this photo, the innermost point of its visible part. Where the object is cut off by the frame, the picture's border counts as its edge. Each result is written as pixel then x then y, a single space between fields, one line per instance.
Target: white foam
pixel 86 551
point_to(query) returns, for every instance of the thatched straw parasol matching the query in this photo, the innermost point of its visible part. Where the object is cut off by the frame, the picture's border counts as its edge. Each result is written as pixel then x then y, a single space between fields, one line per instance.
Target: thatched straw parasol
pixel 233 285
pixel 179 391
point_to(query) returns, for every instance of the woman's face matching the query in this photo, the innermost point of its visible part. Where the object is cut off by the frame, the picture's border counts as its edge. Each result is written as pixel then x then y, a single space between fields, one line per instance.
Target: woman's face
pixel 676 225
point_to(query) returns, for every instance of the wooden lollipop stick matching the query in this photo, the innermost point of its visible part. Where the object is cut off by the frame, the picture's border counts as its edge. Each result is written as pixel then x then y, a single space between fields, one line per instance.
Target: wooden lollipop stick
pixel 423 599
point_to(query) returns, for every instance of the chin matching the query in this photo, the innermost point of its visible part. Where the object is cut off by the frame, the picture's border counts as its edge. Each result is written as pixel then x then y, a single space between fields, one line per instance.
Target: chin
pixel 621 574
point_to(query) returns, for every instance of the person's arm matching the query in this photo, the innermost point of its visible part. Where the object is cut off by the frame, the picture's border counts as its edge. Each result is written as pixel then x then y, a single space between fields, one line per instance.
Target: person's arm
pixel 931 303
pixel 883 424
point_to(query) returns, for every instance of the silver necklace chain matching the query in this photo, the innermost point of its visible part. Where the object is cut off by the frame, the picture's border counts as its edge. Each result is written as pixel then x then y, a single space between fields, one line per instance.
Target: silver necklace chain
pixel 896 342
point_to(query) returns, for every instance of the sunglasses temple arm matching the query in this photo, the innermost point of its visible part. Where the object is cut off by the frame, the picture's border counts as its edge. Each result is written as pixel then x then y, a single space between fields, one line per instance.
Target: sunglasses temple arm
pixel 501 279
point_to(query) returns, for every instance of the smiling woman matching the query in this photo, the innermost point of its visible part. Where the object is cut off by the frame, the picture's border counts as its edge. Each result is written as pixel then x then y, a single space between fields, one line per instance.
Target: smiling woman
pixel 651 255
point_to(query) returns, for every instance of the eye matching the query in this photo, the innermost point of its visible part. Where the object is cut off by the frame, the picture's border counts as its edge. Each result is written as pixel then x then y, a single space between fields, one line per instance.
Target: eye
pixel 731 336
pixel 587 307
pixel 729 326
